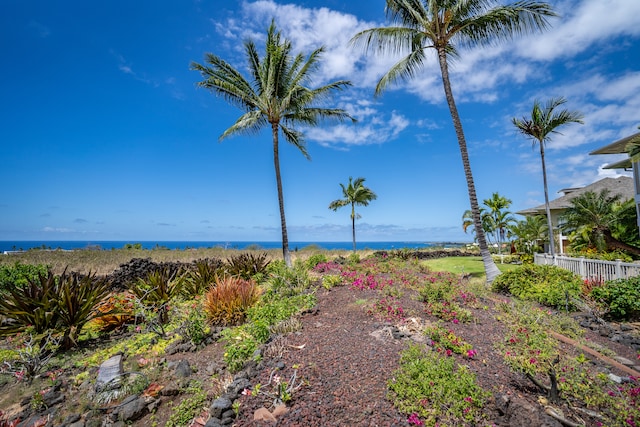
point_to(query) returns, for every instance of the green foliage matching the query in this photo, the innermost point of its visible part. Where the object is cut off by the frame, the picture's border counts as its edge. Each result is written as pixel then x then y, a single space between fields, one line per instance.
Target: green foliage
pixel 195 326
pixel 240 346
pixel 286 281
pixel 17 276
pixel 189 408
pixel 331 280
pixel 431 386
pixel 246 264
pixel 77 297
pixel 402 253
pixel 438 287
pixel 354 258
pixel 242 342
pixel 32 306
pixel 198 280
pixel 158 289
pixel 314 260
pixel 620 298
pixel 546 284
pixel 227 301
pixel 444 340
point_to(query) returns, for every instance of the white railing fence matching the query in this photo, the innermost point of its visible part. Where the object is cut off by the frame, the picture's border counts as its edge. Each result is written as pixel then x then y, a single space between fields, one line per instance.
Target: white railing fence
pixel 591 268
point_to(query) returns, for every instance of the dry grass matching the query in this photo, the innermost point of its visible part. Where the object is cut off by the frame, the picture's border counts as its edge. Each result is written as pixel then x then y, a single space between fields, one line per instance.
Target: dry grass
pixel 104 262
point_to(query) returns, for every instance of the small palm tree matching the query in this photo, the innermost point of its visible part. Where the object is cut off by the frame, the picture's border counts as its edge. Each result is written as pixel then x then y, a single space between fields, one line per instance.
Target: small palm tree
pixel 529 231
pixel 499 218
pixel 442 25
pixel 355 193
pixel 495 219
pixel 544 122
pixel 594 217
pixel 275 96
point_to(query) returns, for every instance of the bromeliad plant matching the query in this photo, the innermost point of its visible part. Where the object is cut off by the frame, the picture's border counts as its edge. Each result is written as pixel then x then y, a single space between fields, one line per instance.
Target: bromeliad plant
pixel 54 304
pixel 228 300
pixel 247 265
pixel 201 277
pixel 157 290
pixel 77 298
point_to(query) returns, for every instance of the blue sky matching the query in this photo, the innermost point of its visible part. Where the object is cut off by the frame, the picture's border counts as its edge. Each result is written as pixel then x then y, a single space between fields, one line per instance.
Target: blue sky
pixel 105 136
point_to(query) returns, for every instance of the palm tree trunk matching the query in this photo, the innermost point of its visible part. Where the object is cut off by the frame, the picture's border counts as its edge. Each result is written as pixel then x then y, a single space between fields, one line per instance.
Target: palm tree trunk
pixel 353 226
pixel 615 244
pixel 283 223
pixel 552 248
pixel 490 268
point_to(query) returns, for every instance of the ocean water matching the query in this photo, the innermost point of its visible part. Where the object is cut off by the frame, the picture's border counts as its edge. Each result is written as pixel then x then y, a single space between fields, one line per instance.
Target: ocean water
pixel 9 245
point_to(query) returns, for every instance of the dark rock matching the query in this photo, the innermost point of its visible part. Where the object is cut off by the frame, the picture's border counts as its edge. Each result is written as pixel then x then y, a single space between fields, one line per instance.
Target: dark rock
pixel 70 419
pixel 213 422
pixel 219 406
pixel 238 385
pixel 171 389
pixel 133 410
pixel 183 370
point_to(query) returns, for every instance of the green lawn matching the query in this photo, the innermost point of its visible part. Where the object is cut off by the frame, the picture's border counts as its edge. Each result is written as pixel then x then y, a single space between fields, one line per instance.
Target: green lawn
pixel 467 265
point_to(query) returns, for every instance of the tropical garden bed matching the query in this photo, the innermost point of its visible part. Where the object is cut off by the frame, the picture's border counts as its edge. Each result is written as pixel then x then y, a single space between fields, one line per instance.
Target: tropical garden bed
pixel 382 340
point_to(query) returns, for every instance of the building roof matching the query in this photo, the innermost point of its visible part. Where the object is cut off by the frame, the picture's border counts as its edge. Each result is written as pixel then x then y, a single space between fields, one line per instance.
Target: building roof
pixel 617 147
pixel 622 185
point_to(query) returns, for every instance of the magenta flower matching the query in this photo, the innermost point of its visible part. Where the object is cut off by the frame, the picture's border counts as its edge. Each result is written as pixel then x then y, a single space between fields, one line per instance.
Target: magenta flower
pixel 415 420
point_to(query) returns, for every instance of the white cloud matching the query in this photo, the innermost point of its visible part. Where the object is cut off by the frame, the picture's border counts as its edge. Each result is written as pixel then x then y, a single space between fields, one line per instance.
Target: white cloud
pixel 382 128
pixel 582 25
pixel 58 230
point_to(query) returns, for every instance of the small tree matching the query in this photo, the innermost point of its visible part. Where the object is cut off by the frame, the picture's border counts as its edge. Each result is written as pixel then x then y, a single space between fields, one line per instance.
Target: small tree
pixel 355 193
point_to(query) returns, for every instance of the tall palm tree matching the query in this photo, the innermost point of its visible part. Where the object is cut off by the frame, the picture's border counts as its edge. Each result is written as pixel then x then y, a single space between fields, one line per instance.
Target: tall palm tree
pixel 355 193
pixel 544 122
pixel 442 25
pixel 594 217
pixel 275 96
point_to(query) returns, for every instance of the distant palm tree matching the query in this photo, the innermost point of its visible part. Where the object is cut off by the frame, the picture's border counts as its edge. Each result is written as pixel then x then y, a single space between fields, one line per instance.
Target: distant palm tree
pixel 495 219
pixel 355 193
pixel 442 25
pixel 539 127
pixel 529 231
pixel 499 218
pixel 594 217
pixel 274 96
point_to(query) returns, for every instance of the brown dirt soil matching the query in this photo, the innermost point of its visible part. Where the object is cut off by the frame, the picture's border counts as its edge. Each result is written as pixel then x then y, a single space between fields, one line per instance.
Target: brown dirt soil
pixel 345 361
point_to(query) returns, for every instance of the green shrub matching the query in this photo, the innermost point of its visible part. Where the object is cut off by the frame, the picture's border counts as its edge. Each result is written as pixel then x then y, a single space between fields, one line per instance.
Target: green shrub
pixel 546 284
pixel 240 346
pixel 286 281
pixel 620 298
pixel 432 387
pixel 331 280
pixel 17 276
pixel 315 259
